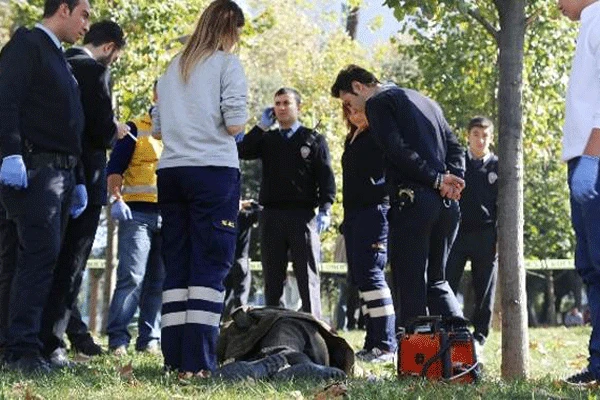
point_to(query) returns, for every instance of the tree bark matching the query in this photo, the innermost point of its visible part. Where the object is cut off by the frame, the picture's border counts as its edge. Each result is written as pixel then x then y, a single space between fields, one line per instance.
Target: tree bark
pixel 352 22
pixel 515 340
pixel 111 252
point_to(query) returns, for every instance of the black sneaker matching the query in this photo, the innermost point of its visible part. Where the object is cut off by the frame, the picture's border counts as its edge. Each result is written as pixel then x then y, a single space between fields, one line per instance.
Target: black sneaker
pixel 29 364
pixel 582 378
pixel 88 347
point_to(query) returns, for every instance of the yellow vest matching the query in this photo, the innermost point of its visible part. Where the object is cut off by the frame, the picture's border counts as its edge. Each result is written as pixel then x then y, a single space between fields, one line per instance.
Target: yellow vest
pixel 139 179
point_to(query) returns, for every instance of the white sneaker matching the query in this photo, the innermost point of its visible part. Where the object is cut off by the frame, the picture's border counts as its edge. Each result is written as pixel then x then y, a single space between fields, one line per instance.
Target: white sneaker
pixel 377 356
pixel 479 352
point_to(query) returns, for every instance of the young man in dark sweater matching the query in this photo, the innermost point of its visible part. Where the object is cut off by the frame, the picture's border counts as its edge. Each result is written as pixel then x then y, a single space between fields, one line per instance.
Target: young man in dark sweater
pixel 476 240
pixel 296 178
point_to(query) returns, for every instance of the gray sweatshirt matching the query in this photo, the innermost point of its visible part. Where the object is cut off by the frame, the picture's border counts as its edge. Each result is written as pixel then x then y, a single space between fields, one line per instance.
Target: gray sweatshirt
pixel 193 116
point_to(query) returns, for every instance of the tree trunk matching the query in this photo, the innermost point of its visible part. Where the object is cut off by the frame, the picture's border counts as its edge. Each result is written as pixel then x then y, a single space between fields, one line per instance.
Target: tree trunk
pixel 352 21
pixel 550 297
pixel 111 252
pixel 515 340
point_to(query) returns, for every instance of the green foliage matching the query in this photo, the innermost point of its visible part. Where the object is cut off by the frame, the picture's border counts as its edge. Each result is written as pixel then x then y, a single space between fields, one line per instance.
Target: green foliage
pixel 457 56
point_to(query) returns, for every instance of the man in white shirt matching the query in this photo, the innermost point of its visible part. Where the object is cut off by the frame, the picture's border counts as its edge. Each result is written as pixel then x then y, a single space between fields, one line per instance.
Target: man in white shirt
pixel 581 150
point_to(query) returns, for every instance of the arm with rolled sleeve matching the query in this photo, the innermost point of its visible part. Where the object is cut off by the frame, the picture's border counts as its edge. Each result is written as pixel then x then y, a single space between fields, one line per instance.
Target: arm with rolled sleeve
pixel 234 94
pixel 387 131
pixel 17 62
pixel 324 174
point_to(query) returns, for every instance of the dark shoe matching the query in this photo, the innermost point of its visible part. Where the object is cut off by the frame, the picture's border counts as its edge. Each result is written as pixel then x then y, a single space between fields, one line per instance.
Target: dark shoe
pixel 582 378
pixel 310 371
pixel 88 347
pixel 58 359
pixel 29 364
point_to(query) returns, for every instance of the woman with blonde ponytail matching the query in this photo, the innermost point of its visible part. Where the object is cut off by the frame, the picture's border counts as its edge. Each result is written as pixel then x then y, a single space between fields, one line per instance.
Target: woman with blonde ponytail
pixel 201 106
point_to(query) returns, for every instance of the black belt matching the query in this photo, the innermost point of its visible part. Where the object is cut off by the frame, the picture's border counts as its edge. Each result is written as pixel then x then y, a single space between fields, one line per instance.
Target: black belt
pixel 53 160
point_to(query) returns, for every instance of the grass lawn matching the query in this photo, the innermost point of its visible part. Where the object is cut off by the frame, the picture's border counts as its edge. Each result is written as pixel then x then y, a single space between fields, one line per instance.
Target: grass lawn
pixel 555 353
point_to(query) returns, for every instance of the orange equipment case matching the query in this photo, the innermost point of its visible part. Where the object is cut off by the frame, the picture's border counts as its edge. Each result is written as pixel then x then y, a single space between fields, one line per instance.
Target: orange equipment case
pixel 438 348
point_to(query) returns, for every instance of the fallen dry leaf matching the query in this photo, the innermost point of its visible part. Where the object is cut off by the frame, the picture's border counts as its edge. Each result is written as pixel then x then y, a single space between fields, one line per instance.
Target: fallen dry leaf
pixel 333 391
pixel 126 371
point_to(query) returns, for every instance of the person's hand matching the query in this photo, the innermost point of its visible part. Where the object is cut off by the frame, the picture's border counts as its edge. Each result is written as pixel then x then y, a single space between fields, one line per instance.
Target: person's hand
pixel 454 180
pixel 583 181
pixel 323 221
pixel 80 200
pixel 120 211
pixel 449 192
pixel 13 172
pixel 122 130
pixel 267 119
pixel 239 137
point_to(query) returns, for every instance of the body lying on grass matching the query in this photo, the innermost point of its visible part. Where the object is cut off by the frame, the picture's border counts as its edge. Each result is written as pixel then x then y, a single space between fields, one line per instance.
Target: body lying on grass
pixel 275 343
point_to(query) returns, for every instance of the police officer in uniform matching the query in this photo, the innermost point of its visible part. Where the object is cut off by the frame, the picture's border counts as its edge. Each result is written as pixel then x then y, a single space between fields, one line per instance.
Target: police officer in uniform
pixel 424 168
pixel 40 141
pixel 476 238
pixel 297 178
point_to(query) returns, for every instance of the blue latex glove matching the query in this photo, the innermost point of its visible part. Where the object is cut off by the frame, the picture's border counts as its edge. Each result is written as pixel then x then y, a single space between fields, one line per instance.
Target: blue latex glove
pixel 80 200
pixel 120 211
pixel 267 119
pixel 323 221
pixel 583 181
pixel 13 172
pixel 239 137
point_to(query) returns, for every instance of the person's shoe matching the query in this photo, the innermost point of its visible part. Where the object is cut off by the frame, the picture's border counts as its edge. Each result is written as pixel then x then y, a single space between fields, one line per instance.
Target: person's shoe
pixel 119 351
pixel 377 356
pixel 479 352
pixel 151 348
pixel 582 378
pixel 29 364
pixel 58 359
pixel 88 347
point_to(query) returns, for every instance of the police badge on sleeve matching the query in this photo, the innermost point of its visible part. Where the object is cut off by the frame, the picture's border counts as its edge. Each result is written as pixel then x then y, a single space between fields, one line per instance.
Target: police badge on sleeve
pixel 305 151
pixel 492 177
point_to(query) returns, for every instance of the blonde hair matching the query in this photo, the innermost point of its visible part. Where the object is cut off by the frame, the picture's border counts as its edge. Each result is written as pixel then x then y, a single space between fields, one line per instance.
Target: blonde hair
pixel 216 30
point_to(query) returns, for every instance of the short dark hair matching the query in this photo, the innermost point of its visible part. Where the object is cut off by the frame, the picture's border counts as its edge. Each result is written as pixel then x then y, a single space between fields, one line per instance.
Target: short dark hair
pixel 51 6
pixel 349 74
pixel 288 90
pixel 105 32
pixel 480 122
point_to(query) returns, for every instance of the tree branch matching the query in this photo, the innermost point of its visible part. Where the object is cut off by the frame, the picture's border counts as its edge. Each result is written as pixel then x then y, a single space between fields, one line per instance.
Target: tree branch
pixel 476 15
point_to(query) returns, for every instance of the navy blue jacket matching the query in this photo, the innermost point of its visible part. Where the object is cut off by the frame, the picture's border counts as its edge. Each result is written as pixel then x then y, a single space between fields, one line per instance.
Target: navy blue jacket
pixel 39 97
pixel 478 201
pixel 414 136
pixel 296 172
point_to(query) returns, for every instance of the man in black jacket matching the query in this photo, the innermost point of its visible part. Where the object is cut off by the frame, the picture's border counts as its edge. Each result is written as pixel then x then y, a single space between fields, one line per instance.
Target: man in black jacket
pixel 102 46
pixel 424 167
pixel 40 145
pixel 296 178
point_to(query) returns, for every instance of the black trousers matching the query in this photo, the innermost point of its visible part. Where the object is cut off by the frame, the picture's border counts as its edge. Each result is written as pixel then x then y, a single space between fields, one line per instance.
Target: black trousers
pixel 239 279
pixel 9 246
pixel 40 213
pixel 479 246
pixel 420 239
pixel 74 253
pixel 296 231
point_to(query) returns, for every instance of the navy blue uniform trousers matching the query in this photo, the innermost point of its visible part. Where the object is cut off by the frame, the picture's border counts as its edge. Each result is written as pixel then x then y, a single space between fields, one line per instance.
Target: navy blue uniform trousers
pixel 9 245
pixel 366 233
pixel 199 207
pixel 40 213
pixel 421 235
pixel 479 246
pixel 294 231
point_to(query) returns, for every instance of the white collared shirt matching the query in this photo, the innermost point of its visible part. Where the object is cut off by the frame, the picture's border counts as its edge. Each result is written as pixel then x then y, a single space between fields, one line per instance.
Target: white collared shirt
pixel 49 33
pixel 583 94
pixel 485 158
pixel 295 126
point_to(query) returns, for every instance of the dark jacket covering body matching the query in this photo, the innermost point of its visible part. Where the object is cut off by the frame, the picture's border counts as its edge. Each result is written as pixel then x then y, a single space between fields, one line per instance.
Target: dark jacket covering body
pixel 240 337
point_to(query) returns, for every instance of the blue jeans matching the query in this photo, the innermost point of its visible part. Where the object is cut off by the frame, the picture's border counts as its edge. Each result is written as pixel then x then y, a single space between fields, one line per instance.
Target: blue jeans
pixel 585 218
pixel 140 277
